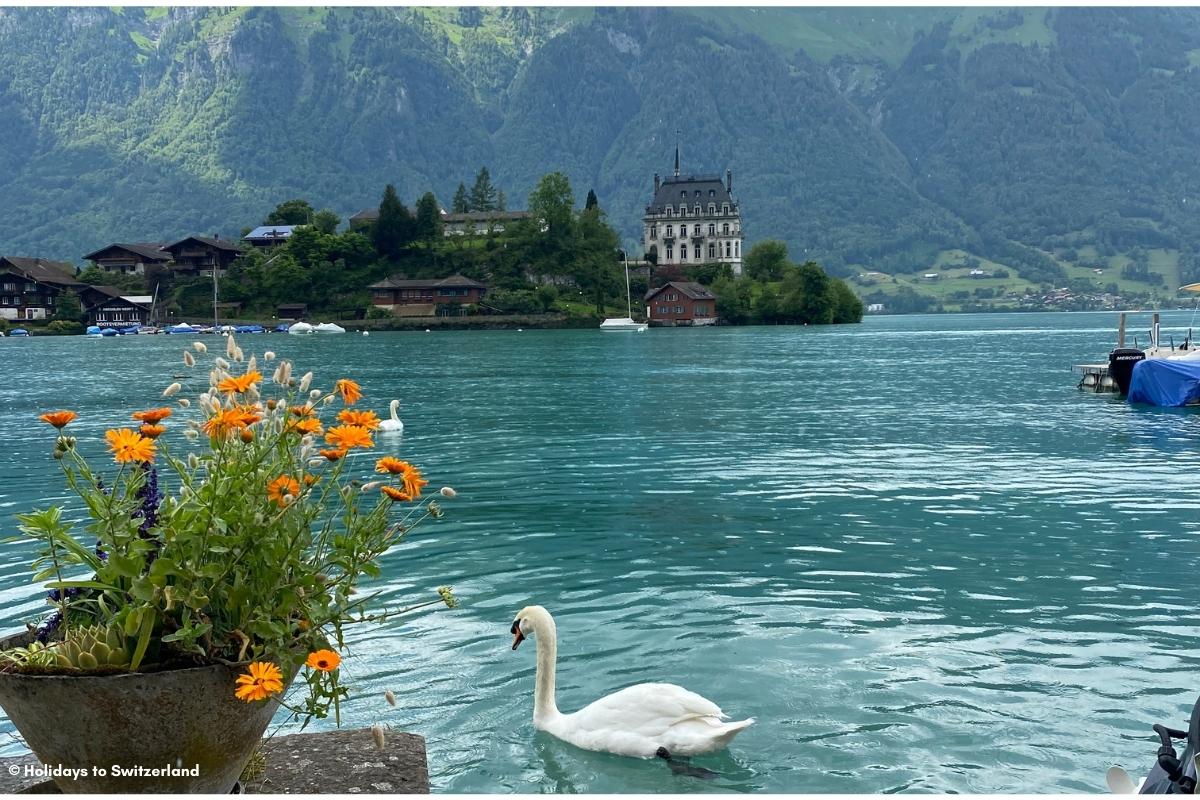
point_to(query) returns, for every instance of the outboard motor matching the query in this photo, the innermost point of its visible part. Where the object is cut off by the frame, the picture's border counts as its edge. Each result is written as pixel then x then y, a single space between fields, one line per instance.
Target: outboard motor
pixel 1120 366
pixel 1171 774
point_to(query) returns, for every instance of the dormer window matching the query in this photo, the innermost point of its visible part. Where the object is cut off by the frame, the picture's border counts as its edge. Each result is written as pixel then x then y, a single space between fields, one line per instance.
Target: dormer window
pixel 725 208
pixel 683 211
pixel 670 212
pixel 712 209
pixel 683 194
pixel 698 212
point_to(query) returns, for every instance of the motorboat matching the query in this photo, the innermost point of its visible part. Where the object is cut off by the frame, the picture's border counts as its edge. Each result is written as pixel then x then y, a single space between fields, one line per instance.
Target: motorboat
pixel 109 332
pixel 182 328
pixel 249 329
pixel 282 327
pixel 148 330
pixel 329 327
pixel 93 331
pixel 300 329
pixel 18 332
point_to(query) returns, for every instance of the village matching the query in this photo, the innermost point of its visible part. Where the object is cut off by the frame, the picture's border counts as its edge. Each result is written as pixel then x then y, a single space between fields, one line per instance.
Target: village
pixel 691 226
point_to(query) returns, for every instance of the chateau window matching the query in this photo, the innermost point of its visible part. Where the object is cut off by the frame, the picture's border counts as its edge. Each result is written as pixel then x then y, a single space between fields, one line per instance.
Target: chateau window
pixel 683 252
pixel 697 253
pixel 683 211
pixel 670 231
pixel 670 253
pixel 724 208
pixel 737 249
pixel 712 229
pixel 712 192
pixel 712 250
pixel 712 209
pixel 670 213
pixel 653 231
pixel 697 193
pixel 725 229
pixel 727 250
pixel 698 211
pixel 683 194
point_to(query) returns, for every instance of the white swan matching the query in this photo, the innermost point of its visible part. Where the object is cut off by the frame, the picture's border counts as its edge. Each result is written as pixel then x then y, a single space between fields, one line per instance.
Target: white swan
pixel 394 424
pixel 646 720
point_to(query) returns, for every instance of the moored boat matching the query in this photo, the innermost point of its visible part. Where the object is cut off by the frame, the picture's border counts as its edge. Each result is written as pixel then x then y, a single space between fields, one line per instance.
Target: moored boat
pixel 18 332
pixel 329 327
pixel 300 329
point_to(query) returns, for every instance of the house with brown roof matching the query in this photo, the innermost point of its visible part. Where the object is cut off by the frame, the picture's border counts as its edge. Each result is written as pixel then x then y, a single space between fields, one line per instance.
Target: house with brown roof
pixel 107 307
pixel 130 258
pixel 681 303
pixel 363 219
pixel 200 255
pixel 477 223
pixel 402 296
pixel 30 287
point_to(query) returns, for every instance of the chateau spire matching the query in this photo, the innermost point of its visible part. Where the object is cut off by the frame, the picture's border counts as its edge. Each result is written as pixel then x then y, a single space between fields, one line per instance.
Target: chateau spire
pixel 676 154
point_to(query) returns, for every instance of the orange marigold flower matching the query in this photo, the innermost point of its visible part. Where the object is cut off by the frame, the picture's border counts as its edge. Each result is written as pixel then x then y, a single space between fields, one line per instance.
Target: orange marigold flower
pixel 391 465
pixel 231 419
pixel 306 425
pixel 363 419
pixel 309 480
pixel 262 680
pixel 281 487
pixel 58 418
pixel 396 495
pixel 413 481
pixel 302 411
pixel 239 384
pixel 323 660
pixel 345 437
pixel 152 416
pixel 349 390
pixel 128 445
pixel 152 431
pixel 333 455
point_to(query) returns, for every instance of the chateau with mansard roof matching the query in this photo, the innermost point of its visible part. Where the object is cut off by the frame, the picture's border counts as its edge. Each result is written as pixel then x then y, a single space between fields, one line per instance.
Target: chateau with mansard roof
pixel 693 219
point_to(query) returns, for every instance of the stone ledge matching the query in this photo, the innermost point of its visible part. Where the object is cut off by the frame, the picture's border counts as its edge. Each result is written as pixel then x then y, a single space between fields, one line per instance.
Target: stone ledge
pixel 331 762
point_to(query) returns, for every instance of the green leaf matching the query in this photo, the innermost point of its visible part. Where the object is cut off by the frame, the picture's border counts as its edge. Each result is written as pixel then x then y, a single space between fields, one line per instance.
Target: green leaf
pixel 144 634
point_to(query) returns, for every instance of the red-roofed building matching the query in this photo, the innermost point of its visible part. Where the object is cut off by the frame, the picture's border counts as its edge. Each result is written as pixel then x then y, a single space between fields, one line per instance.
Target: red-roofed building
pixel 681 303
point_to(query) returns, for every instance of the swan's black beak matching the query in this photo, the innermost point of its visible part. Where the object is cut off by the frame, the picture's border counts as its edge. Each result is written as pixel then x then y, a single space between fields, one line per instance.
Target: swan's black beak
pixel 518 637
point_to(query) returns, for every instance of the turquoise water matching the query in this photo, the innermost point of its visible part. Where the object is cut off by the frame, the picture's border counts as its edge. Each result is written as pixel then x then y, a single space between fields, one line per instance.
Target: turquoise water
pixel 912 549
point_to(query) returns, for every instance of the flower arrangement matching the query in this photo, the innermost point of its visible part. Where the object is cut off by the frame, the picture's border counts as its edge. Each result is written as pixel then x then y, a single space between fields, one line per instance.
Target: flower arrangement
pixel 247 550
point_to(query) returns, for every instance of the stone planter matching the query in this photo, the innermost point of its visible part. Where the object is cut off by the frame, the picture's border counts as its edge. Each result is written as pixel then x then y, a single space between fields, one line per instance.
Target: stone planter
pixel 98 727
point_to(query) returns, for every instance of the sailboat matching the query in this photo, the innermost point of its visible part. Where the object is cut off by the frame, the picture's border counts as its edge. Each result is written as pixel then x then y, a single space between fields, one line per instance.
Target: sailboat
pixel 625 323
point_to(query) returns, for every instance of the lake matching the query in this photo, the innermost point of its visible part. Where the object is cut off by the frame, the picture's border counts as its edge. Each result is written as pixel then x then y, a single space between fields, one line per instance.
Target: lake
pixel 911 548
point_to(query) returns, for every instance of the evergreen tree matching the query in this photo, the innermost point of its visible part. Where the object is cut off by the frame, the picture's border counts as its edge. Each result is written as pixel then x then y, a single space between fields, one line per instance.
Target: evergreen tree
pixel 501 200
pixel 483 193
pixel 592 202
pixel 394 228
pixel 461 204
pixel 68 307
pixel 429 219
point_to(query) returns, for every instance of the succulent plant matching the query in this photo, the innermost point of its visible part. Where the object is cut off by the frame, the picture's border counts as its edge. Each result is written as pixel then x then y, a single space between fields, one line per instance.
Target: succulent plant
pixel 91 648
pixel 35 654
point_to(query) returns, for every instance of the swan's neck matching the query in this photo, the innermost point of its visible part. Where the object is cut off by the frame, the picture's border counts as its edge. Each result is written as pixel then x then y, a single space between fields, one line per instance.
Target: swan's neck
pixel 393 409
pixel 545 637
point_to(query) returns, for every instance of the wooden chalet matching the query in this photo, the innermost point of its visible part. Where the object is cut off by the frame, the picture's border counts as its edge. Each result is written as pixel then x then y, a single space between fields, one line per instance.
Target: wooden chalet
pixel 106 307
pixel 200 255
pixel 395 293
pixel 681 303
pixel 270 235
pixel 30 287
pixel 130 258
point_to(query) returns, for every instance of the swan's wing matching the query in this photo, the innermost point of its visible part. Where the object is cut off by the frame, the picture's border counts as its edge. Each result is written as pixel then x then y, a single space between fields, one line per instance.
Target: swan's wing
pixel 648 709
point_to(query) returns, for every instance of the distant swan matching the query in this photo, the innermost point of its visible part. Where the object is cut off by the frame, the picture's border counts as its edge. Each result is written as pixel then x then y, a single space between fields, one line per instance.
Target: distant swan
pixel 646 720
pixel 394 424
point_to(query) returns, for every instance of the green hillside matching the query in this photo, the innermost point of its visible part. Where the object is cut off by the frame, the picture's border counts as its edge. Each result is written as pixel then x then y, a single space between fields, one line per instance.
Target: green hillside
pixel 1051 142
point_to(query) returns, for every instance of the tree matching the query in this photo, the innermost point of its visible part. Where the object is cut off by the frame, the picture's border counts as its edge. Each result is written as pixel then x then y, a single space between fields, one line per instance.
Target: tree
pixel 501 200
pixel 68 308
pixel 552 203
pixel 594 253
pixel 460 204
pixel 394 227
pixel 290 212
pixel 483 193
pixel 591 202
pixel 428 225
pixel 766 261
pixel 326 221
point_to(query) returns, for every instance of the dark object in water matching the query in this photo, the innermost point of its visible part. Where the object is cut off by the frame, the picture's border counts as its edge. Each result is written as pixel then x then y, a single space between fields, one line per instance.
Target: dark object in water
pixel 680 766
pixel 1120 366
pixel 1172 775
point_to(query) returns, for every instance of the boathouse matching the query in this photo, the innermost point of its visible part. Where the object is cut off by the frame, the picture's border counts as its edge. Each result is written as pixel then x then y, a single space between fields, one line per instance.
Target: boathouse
pixel 681 303
pixel 30 287
pixel 199 255
pixel 130 258
pixel 106 307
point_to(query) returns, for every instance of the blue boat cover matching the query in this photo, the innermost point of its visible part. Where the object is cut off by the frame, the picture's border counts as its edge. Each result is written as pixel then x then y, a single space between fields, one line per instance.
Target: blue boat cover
pixel 1165 382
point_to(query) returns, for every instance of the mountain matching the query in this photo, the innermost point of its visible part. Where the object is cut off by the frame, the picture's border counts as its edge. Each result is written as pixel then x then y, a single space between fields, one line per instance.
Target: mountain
pixel 1051 142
